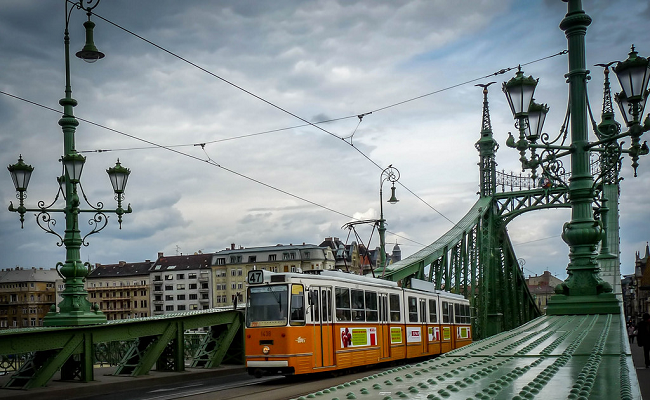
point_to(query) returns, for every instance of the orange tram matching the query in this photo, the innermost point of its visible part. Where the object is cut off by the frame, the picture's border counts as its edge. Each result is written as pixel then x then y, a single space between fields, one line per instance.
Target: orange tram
pixel 306 323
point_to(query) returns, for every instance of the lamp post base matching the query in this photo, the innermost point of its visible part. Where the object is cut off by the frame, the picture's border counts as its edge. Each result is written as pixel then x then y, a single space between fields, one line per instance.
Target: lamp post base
pixel 90 316
pixel 604 303
pixel 74 318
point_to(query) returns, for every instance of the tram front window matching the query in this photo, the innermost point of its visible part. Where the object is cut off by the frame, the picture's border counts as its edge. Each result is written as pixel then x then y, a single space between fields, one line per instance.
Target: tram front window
pixel 267 306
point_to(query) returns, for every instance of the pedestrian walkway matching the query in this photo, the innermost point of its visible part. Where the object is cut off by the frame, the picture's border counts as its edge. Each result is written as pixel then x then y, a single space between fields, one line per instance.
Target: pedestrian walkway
pixel 643 373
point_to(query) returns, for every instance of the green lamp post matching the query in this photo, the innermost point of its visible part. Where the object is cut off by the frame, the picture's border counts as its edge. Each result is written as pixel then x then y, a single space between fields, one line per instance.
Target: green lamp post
pixel 388 174
pixel 75 309
pixel 584 292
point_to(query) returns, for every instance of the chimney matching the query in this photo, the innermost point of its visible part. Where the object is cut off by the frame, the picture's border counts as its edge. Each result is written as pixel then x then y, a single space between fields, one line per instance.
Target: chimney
pixel 232 246
pixel 121 263
pixel 147 261
pixel 160 254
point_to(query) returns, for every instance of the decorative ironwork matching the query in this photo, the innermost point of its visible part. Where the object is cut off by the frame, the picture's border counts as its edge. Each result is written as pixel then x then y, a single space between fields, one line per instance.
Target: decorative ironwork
pixel 512 181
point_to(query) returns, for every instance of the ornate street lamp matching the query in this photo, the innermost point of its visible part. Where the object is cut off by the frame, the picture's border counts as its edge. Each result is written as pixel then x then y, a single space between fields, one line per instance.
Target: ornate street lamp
pixel 584 292
pixel 75 309
pixel 388 174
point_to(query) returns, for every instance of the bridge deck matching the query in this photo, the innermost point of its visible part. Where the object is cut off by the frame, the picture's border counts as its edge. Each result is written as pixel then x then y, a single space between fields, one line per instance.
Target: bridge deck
pixel 551 357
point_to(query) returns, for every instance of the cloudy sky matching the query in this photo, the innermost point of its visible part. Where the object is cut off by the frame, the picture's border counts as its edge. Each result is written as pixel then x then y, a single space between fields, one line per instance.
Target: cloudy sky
pixel 242 77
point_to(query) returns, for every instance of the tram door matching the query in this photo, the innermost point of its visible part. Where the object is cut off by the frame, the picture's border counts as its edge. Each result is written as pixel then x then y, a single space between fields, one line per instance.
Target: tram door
pixel 384 326
pixel 424 332
pixel 321 298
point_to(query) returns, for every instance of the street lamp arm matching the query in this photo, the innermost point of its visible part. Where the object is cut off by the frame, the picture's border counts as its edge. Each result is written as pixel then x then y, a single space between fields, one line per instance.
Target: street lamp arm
pixel 548 147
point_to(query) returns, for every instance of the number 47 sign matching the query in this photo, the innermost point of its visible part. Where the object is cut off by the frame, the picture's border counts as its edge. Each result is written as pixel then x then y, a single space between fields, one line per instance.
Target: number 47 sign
pixel 255 277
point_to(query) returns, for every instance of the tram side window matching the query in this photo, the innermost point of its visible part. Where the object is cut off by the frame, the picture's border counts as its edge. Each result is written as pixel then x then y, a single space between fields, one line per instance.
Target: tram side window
pixel 468 316
pixel 371 307
pixel 446 311
pixel 358 307
pixel 394 308
pixel 342 297
pixel 297 305
pixel 313 302
pixel 458 317
pixel 433 311
pixel 413 309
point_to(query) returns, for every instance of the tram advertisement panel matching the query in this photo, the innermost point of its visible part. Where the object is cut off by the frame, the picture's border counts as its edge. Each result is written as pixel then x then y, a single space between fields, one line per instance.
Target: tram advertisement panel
pixel 463 332
pixel 395 335
pixel 446 332
pixel 358 337
pixel 434 334
pixel 413 334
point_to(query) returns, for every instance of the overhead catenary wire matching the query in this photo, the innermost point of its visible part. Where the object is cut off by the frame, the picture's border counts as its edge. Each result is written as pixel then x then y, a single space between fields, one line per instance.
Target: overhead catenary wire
pixel 307 123
pixel 501 71
pixel 209 161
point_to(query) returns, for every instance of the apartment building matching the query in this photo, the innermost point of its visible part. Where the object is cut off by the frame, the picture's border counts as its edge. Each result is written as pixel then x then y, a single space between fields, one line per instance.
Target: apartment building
pixel 230 266
pixel 26 296
pixel 122 290
pixel 181 283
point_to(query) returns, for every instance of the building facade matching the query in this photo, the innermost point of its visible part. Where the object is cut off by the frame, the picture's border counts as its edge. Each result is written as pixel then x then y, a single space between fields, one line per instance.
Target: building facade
pixel 121 290
pixel 636 287
pixel 542 288
pixel 230 267
pixel 26 296
pixel 181 283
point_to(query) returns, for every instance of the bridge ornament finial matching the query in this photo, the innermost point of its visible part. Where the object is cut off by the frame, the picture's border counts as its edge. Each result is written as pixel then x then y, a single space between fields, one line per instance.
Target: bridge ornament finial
pixel 487 148
pixel 584 291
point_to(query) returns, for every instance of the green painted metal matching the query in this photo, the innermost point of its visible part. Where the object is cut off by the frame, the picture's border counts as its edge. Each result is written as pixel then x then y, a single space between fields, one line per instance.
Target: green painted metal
pixel 216 344
pixel 71 348
pixel 551 357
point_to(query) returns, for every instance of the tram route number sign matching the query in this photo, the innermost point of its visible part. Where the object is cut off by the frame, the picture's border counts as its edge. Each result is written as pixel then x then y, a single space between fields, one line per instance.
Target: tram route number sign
pixel 255 277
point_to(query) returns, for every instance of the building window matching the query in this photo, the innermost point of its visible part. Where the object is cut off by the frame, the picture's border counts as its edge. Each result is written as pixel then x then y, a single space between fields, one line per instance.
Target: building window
pixel 194 306
pixel 240 285
pixel 181 307
pixel 180 286
pixel 204 285
pixel 272 257
pixel 169 308
pixel 143 303
pixel 252 259
pixel 169 297
pixel 180 297
pixel 169 277
pixel 235 259
pixel 233 285
pixel 192 286
pixel 204 296
pixel 191 276
pixel 180 276
pixel 169 287
pixel 193 296
pixel 221 261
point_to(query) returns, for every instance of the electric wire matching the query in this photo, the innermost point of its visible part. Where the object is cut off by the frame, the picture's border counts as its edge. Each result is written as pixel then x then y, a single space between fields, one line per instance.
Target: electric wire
pixel 502 71
pixel 307 123
pixel 209 161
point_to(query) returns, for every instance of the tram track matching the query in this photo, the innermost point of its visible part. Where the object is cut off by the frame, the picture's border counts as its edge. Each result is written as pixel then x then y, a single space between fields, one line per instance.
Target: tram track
pixel 266 388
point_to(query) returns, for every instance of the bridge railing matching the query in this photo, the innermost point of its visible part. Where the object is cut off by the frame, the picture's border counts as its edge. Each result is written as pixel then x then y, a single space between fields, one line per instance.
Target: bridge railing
pixel 33 355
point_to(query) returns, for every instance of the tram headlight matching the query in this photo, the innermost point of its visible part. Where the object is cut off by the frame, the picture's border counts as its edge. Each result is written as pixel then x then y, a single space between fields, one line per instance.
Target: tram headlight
pixel 266 349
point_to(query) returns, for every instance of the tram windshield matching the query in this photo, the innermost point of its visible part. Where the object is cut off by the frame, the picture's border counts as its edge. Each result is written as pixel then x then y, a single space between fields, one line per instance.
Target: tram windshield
pixel 267 306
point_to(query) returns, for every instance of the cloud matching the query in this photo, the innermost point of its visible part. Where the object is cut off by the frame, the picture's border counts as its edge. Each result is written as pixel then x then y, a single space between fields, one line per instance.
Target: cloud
pixel 317 60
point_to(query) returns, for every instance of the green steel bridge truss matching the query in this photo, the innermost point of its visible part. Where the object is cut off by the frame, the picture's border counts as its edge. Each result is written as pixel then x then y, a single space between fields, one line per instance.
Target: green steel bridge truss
pixel 475 258
pixel 154 341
